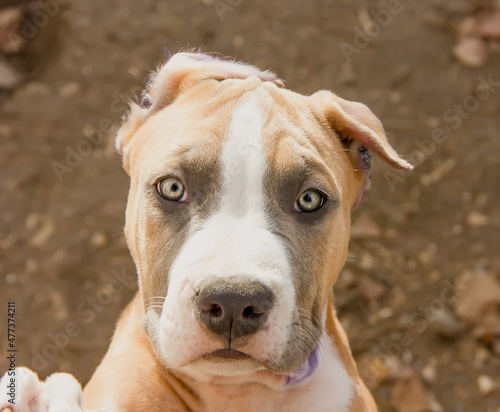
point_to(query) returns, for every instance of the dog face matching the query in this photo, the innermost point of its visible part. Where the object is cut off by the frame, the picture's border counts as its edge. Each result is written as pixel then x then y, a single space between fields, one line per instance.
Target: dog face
pixel 239 211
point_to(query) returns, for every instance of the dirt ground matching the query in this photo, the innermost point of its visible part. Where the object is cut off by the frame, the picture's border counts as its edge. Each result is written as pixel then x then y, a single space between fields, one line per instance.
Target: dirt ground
pixel 63 258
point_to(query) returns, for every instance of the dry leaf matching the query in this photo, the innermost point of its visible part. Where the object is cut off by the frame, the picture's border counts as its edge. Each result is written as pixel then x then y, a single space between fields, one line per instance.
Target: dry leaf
pixel 409 394
pixel 40 238
pixel 9 77
pixel 486 384
pixel 481 292
pixel 470 51
pixel 439 172
pixel 476 219
pixel 376 369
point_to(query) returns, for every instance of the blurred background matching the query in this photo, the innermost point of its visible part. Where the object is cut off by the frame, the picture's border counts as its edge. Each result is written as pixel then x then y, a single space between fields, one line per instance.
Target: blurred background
pixel 420 294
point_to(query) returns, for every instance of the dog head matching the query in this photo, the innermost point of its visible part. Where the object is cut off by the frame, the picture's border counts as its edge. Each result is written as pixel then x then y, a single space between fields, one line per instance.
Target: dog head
pixel 239 209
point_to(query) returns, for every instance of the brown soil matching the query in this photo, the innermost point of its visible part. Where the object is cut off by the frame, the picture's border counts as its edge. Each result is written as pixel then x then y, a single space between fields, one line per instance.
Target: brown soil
pixel 61 242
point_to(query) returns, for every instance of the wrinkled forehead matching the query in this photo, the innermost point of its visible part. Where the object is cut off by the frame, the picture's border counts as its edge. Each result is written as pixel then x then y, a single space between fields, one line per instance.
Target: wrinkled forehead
pixel 232 125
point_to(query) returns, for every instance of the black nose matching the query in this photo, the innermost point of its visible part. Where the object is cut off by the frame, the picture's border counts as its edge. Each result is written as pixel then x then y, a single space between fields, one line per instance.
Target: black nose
pixel 233 307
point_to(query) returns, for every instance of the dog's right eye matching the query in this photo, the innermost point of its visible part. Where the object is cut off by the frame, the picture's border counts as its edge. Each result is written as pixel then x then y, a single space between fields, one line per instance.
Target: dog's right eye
pixel 172 189
pixel 309 201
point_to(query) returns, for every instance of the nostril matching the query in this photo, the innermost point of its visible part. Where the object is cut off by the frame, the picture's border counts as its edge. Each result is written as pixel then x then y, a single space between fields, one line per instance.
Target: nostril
pixel 233 307
pixel 251 312
pixel 215 311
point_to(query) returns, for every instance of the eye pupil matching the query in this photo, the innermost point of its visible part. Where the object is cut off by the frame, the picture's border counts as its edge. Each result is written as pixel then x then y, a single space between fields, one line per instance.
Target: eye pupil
pixel 171 189
pixel 310 201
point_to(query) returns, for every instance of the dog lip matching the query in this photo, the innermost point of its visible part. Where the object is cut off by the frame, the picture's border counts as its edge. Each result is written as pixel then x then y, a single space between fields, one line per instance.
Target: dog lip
pixel 226 354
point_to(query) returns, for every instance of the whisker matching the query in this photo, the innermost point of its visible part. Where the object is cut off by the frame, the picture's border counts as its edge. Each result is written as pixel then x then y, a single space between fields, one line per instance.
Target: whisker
pixel 156 297
pixel 306 337
pixel 308 344
pixel 361 260
pixel 300 348
pixel 306 329
pixel 310 314
pixel 319 344
pixel 314 335
pixel 151 319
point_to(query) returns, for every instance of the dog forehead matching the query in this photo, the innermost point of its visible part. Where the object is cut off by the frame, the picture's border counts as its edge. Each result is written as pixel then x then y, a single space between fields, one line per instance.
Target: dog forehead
pixel 197 130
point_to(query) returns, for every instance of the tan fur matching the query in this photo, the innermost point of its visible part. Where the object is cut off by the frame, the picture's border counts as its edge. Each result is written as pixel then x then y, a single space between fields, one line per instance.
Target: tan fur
pixel 205 92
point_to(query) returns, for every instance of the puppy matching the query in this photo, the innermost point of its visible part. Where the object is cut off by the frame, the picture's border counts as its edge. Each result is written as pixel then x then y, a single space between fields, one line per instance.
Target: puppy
pixel 238 221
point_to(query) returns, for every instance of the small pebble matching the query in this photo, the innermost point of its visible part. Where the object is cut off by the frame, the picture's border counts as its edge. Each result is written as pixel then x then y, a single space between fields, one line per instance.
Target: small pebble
pixel 476 219
pixel 98 240
pixel 11 278
pixel 485 384
pixel 470 51
pixel 69 90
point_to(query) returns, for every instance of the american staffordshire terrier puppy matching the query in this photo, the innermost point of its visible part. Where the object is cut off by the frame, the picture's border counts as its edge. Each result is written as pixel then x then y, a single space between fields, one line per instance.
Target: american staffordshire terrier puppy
pixel 238 220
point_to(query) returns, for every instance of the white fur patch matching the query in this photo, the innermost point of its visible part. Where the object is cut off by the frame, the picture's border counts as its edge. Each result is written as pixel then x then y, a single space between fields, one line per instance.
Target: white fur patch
pixel 60 392
pixel 236 240
pixel 329 389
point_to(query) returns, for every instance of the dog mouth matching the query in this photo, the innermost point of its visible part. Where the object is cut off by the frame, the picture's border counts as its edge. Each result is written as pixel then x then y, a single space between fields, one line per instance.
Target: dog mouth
pixel 228 358
pixel 225 355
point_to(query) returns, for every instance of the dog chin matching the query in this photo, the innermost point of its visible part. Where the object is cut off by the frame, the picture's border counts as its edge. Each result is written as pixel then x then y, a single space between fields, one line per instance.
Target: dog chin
pixel 226 367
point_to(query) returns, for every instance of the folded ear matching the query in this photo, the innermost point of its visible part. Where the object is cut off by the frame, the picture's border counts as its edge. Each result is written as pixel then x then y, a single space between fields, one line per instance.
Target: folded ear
pixel 355 122
pixel 360 131
pixel 182 71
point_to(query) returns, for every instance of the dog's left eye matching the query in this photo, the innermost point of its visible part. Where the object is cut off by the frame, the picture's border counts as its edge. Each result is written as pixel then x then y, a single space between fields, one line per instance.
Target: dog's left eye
pixel 172 189
pixel 309 201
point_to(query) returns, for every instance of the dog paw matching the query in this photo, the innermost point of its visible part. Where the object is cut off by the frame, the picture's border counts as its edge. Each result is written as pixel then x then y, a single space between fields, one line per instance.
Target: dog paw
pixel 22 391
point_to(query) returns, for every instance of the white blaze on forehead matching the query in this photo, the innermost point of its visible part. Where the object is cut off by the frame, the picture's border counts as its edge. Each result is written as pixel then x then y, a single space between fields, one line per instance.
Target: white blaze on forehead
pixel 243 160
pixel 235 240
